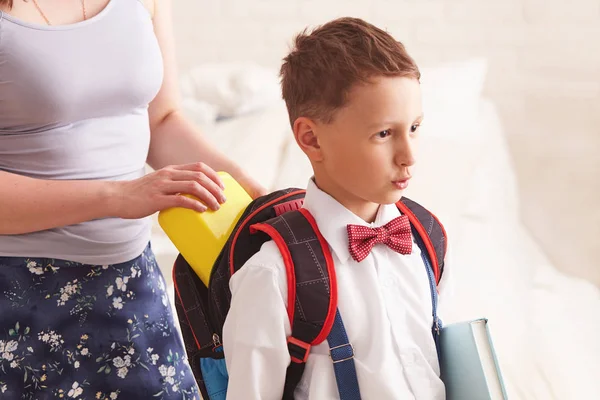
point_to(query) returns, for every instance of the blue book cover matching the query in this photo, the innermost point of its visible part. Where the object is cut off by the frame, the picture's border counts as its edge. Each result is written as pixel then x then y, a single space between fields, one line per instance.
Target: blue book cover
pixel 468 363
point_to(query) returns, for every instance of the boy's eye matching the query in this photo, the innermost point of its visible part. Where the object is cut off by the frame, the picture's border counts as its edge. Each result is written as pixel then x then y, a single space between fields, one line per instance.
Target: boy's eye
pixel 384 134
pixel 414 128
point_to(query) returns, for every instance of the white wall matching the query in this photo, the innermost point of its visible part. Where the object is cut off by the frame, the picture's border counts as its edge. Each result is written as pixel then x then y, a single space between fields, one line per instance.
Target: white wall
pixel 544 76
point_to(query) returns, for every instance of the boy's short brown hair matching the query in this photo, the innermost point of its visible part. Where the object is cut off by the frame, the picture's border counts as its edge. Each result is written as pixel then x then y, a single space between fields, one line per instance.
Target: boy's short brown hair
pixel 326 63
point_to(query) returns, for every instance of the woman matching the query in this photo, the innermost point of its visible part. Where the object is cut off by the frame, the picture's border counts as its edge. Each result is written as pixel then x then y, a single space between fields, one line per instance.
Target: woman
pixel 88 95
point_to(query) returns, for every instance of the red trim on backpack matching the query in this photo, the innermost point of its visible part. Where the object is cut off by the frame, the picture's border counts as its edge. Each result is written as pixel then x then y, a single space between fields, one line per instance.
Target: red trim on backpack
pixel 291 205
pixel 181 301
pixel 333 301
pixel 287 260
pixel 248 218
pixel 428 244
pixel 302 345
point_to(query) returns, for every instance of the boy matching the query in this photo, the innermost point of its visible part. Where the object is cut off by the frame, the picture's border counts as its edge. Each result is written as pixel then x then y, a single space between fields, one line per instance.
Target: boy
pixel 354 102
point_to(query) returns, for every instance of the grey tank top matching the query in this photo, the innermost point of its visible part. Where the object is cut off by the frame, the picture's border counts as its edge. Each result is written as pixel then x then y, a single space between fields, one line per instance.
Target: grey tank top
pixel 74 105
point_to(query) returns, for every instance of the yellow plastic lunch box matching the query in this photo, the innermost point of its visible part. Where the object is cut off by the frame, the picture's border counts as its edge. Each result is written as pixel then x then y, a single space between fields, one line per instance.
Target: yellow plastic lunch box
pixel 199 237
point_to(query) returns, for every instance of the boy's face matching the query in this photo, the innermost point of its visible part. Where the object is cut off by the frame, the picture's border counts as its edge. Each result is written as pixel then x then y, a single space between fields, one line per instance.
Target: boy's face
pixel 364 157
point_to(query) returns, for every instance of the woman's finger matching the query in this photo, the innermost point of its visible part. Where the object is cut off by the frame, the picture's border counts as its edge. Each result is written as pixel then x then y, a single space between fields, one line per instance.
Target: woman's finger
pixel 205 169
pixel 193 188
pixel 179 200
pixel 202 179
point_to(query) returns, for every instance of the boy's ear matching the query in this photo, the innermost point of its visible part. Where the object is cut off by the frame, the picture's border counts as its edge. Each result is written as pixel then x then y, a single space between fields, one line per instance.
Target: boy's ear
pixel 307 139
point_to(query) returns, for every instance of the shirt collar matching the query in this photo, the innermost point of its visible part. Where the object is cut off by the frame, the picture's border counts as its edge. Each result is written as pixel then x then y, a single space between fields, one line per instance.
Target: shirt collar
pixel 332 218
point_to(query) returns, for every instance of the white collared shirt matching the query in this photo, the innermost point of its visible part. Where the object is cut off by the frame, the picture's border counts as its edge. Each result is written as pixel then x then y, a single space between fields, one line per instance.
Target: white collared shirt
pixel 384 301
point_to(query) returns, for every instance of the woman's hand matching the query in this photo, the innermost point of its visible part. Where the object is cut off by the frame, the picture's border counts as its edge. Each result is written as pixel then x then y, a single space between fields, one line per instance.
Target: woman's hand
pixel 164 189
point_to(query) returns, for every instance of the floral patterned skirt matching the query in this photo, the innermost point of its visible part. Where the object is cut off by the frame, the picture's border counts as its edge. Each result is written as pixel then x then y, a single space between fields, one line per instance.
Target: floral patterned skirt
pixel 77 331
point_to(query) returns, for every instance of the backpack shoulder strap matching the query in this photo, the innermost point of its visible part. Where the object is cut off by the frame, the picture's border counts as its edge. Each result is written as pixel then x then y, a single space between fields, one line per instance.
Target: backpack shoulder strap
pixel 430 232
pixel 312 288
pixel 430 236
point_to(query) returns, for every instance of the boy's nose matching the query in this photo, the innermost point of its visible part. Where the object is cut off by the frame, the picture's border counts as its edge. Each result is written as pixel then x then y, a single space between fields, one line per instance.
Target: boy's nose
pixel 405 153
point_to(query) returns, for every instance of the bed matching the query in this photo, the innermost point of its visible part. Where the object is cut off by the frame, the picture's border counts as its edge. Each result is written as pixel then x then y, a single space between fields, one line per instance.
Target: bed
pixel 543 323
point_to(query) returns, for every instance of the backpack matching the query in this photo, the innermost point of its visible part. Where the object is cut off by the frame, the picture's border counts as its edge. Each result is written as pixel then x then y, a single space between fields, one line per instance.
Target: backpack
pixel 279 216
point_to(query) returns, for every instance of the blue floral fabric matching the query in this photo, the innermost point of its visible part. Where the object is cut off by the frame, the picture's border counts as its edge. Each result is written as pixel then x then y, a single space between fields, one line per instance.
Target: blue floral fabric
pixel 77 331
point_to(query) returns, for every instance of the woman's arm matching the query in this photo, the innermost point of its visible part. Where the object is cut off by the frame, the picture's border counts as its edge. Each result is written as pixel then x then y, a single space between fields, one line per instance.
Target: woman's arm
pixel 29 205
pixel 175 140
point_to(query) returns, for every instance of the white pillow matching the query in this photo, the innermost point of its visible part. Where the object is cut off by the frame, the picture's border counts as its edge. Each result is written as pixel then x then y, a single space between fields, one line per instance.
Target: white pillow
pixel 451 97
pixel 255 141
pixel 199 112
pixel 232 88
pixel 493 191
pixel 441 176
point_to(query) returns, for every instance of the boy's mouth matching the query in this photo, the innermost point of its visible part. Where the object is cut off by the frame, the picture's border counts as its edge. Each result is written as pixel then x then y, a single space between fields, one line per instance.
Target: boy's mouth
pixel 401 183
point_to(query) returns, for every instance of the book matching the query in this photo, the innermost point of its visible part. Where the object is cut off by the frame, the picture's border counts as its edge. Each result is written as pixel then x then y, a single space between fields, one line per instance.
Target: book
pixel 468 363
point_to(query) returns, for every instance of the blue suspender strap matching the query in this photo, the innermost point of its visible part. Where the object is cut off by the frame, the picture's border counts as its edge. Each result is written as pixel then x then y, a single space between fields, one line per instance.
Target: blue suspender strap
pixel 342 355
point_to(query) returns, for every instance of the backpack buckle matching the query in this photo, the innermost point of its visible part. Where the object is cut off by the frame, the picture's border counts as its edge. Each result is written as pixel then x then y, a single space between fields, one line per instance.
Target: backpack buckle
pixel 298 349
pixel 341 353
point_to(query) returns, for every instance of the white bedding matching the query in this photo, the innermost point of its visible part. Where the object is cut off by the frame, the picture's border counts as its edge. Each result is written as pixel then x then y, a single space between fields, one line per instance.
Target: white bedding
pixel 543 324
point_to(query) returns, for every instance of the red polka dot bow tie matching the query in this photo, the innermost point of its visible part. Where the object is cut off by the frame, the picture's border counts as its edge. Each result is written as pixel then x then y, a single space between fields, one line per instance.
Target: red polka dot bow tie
pixel 395 234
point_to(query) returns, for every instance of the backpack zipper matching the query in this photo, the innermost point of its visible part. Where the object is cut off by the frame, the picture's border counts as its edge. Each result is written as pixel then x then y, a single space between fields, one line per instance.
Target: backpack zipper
pixel 216 341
